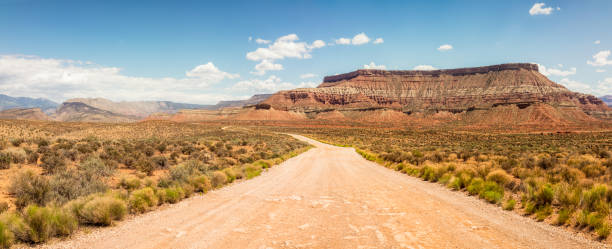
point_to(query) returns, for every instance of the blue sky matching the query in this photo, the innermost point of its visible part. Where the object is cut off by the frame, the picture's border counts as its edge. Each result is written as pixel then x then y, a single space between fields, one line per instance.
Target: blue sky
pixel 198 52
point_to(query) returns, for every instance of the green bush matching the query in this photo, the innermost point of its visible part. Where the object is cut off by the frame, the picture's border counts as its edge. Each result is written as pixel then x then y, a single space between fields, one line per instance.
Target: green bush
pixel 7 238
pixel 476 186
pixel 595 199
pixel 46 222
pixel 492 192
pixel 231 176
pixel 200 183
pixel 142 200
pixel 252 171
pixel 172 194
pixel 499 176
pixel 98 209
pixel 603 231
pixel 543 212
pixel 509 205
pixel 564 216
pixel 15 223
pixel 130 184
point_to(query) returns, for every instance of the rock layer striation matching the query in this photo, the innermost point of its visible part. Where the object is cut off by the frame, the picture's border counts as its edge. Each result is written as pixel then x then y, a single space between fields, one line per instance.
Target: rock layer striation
pixel 453 90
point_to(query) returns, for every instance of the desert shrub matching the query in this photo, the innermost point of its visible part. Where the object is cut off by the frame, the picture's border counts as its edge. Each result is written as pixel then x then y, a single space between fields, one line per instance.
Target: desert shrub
pixel 160 162
pixel 563 216
pixel 595 200
pixel 568 196
pixel 41 142
pixel 218 179
pixel 251 171
pixel 148 151
pixel 492 192
pixel 145 165
pixel 603 231
pixel 142 200
pixel 71 184
pixel 130 184
pixel 52 163
pixel 595 220
pixel 17 141
pixel 476 186
pixel 5 160
pixel 94 166
pixel 499 176
pixel 7 238
pixel 99 209
pixel 231 176
pixel 172 194
pixel 45 222
pixel 15 223
pixel 544 196
pixel 200 183
pixel 509 205
pixel 30 188
pixel 543 212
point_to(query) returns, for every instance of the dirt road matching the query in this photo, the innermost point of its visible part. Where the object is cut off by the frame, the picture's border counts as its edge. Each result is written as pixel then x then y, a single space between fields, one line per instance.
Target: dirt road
pixel 330 197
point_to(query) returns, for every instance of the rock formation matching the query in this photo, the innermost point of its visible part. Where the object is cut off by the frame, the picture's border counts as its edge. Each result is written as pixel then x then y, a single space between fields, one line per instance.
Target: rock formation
pixel 451 90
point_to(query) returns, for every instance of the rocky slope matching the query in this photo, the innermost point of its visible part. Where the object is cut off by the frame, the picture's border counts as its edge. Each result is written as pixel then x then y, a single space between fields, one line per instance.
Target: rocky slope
pixel 80 112
pixel 138 109
pixel 451 90
pixel 24 113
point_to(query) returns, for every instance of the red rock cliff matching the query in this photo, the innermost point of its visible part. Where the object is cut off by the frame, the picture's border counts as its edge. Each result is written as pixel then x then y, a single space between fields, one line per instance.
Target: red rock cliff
pixel 448 89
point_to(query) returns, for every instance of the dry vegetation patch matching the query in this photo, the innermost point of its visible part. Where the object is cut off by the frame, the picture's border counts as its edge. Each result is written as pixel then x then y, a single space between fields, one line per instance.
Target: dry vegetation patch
pixel 62 175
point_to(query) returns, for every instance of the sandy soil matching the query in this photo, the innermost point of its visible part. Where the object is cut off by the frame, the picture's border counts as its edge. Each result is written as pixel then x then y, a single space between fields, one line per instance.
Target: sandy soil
pixel 329 197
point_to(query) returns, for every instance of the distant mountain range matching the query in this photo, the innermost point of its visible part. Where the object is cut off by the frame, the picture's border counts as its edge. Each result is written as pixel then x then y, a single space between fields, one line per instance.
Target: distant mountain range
pixel 8 102
pixel 102 110
pixel 607 99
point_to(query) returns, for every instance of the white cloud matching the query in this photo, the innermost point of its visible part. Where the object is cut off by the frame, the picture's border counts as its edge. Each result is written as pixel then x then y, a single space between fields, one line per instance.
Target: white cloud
pixel 576 86
pixel 318 44
pixel 556 71
pixel 358 39
pixel 424 67
pixel 343 41
pixel 445 47
pixel 374 66
pixel 597 42
pixel 60 79
pixel 287 46
pixel 539 9
pixel 308 75
pixel 250 38
pixel 599 70
pixel 378 41
pixel 270 85
pixel 601 59
pixel 266 65
pixel 261 41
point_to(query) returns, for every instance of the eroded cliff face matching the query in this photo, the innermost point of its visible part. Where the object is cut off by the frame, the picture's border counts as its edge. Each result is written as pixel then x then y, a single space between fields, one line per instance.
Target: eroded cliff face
pixel 453 90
